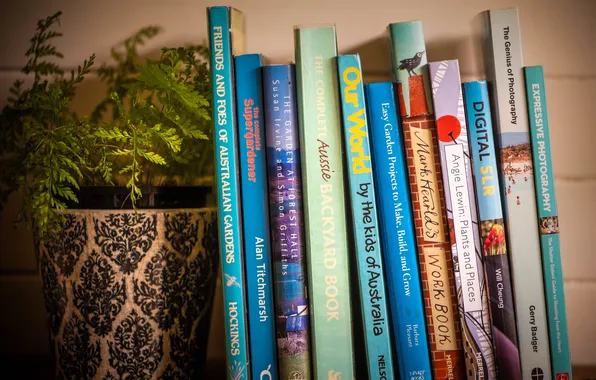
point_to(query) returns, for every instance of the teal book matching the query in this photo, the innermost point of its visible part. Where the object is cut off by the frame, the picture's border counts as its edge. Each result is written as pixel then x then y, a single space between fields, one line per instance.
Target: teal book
pixel 492 229
pixel 548 222
pixel 226 27
pixel 324 201
pixel 257 239
pixel 365 223
pixel 408 54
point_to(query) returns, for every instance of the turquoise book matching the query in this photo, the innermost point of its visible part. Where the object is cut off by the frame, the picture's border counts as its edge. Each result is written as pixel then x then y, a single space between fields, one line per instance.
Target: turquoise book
pixel 493 240
pixel 226 28
pixel 257 241
pixel 323 179
pixel 396 233
pixel 365 225
pixel 548 222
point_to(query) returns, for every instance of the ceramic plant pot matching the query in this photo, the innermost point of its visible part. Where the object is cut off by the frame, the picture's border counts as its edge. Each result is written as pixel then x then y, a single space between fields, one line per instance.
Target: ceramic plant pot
pixel 129 294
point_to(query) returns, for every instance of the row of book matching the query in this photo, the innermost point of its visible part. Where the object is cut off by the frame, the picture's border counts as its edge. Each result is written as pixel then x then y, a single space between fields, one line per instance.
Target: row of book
pixel 382 223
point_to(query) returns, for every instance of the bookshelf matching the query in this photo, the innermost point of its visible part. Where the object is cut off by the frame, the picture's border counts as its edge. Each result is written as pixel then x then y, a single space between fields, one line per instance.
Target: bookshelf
pixel 571 83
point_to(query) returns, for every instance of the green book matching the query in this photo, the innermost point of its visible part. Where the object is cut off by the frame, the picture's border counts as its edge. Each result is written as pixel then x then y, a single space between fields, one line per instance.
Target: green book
pixel 324 201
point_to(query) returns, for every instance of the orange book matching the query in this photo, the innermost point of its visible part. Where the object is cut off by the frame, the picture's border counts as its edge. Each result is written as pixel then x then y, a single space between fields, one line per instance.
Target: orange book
pixel 426 188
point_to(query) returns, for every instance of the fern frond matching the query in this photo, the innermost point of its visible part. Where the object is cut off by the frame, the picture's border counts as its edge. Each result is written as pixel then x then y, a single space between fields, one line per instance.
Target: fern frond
pixel 187 125
pixel 140 38
pixel 113 134
pixel 43 68
pixel 151 157
pixel 160 78
pixel 168 136
pixel 49 50
pixel 82 70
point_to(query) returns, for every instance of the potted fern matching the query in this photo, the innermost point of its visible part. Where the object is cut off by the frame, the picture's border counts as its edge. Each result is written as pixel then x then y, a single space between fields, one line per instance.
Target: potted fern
pixel 117 202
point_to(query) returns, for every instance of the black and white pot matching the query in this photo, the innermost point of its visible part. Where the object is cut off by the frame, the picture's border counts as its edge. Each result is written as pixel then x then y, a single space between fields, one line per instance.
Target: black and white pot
pixel 129 294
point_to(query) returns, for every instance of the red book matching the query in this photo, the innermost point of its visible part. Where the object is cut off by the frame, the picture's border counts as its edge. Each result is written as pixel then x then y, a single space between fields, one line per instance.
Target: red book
pixel 426 188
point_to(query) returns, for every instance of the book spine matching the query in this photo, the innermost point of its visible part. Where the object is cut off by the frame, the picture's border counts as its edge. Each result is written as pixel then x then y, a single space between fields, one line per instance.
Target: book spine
pixel 364 218
pixel 257 246
pixel 396 230
pixel 408 54
pixel 493 242
pixel 548 222
pixel 324 201
pixel 505 78
pixel 220 20
pixel 462 219
pixel 434 255
pixel 287 226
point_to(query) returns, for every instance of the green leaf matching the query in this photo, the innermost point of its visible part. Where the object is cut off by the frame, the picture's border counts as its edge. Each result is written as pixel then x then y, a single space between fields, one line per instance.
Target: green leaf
pixel 121 152
pixel 156 77
pixel 152 157
pixel 186 125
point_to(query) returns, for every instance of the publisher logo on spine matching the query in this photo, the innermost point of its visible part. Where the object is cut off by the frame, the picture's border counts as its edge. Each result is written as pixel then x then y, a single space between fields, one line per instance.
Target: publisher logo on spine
pixel 295 375
pixel 563 376
pixel 537 374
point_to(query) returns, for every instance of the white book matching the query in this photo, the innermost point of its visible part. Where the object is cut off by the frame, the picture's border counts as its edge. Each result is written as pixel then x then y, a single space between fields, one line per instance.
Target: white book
pixel 504 70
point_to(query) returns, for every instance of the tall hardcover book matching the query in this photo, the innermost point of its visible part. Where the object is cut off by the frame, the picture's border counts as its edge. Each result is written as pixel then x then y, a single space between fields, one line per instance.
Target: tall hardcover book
pixel 504 68
pixel 257 243
pixel 287 221
pixel 493 242
pixel 397 234
pixel 365 226
pixel 426 188
pixel 226 38
pixel 324 201
pixel 462 219
pixel 548 222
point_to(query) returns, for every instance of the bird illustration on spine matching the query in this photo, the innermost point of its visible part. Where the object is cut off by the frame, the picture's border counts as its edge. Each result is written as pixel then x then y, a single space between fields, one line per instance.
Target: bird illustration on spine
pixel 231 280
pixel 409 65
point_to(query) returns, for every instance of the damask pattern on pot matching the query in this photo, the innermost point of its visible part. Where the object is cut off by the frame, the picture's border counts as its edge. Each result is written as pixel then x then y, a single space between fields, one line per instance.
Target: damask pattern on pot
pixel 128 295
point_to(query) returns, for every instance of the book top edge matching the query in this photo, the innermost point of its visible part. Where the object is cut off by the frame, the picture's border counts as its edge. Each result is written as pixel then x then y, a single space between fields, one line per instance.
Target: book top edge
pixel 404 23
pixel 354 55
pixel 434 63
pixel 248 55
pixel 224 7
pixel 314 26
pixel 279 64
pixel 534 67
pixel 510 9
pixel 475 81
pixel 381 83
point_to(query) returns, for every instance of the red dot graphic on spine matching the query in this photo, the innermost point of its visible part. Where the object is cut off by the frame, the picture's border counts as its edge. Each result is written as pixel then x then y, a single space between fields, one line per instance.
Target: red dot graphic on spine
pixel 448 128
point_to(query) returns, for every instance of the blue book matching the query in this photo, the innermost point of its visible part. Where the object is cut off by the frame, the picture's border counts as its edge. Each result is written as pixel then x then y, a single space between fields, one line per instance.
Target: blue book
pixel 287 221
pixel 225 38
pixel 548 222
pixel 493 239
pixel 364 219
pixel 257 243
pixel 396 229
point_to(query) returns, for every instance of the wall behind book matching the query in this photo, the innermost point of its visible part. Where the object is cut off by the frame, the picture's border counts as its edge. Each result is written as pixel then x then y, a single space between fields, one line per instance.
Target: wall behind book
pixel 558 35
